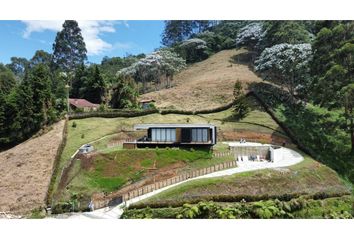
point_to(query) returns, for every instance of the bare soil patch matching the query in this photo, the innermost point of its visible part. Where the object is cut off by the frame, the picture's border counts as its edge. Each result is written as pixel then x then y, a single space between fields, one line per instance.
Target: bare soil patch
pixel 26 171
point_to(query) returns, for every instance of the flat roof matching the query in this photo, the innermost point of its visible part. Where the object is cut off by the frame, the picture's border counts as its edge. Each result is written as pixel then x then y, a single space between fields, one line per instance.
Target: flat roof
pixel 171 125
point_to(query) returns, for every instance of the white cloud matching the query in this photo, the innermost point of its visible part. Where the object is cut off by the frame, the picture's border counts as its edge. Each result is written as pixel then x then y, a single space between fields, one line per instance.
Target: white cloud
pixel 40 26
pixel 91 31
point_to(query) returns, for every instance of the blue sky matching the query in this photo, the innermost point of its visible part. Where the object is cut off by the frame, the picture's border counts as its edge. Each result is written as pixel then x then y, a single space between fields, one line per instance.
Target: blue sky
pixel 102 38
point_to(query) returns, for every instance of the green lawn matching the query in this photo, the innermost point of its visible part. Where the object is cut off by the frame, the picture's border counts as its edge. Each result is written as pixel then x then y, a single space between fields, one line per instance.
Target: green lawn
pixel 308 177
pixel 109 171
pixel 101 131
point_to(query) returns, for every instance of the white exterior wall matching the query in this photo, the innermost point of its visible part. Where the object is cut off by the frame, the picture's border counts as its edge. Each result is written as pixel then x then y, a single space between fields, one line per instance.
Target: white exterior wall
pixel 276 154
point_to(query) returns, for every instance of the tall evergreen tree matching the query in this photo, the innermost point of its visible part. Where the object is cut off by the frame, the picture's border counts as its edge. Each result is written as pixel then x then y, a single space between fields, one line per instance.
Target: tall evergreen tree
pixel 7 80
pixel 96 86
pixel 25 107
pixel 78 81
pixel 332 67
pixel 69 49
pixel 39 78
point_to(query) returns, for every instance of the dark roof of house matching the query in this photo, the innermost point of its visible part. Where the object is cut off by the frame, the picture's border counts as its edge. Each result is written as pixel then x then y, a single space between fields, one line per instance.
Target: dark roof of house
pixel 171 125
pixel 81 103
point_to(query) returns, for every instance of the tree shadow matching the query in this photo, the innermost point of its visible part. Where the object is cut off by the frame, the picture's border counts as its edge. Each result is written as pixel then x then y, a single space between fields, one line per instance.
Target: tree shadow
pixel 244 58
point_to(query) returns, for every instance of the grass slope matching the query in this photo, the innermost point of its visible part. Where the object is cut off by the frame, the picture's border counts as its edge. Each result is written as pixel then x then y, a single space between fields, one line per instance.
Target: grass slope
pixel 306 178
pixel 258 125
pixel 206 84
pixel 26 171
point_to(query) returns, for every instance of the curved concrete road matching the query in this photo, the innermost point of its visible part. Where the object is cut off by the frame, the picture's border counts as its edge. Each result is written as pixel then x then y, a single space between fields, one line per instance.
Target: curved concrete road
pixel 290 157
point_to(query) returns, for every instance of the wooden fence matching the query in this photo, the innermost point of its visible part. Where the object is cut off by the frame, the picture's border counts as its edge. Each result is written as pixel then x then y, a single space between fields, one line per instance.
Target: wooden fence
pixel 119 142
pixel 107 200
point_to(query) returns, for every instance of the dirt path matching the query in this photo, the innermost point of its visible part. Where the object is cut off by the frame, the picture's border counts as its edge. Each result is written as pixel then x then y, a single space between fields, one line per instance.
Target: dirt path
pixel 26 171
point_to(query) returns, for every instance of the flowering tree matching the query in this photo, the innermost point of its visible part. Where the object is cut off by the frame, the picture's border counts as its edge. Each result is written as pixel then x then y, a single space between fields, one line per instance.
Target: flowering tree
pixel 286 64
pixel 250 36
pixel 193 50
pixel 155 66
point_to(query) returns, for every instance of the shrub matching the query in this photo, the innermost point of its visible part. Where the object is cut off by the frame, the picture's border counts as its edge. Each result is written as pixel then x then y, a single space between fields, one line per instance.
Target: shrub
pixel 74 124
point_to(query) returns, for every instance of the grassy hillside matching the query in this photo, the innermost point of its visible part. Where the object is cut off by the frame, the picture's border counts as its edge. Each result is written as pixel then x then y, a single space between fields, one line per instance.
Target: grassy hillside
pixel 207 84
pixel 26 171
pixel 306 178
pixel 258 125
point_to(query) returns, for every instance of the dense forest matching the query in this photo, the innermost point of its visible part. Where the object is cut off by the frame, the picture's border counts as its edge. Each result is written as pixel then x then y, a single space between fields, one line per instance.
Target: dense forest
pixel 310 65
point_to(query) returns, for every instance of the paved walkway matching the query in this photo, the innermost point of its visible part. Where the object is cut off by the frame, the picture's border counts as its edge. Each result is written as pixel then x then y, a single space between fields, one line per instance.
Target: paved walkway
pixel 290 157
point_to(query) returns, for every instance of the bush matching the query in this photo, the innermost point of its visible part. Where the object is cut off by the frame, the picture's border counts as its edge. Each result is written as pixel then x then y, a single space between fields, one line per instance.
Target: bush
pixel 74 124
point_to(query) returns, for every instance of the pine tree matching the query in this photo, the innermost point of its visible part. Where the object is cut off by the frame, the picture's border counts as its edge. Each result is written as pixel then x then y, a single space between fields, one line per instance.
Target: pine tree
pixel 69 49
pixel 39 78
pixel 24 104
pixel 97 86
pixel 240 106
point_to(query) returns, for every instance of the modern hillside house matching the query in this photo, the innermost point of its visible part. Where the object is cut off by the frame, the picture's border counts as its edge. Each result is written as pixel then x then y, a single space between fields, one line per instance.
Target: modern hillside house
pixel 174 135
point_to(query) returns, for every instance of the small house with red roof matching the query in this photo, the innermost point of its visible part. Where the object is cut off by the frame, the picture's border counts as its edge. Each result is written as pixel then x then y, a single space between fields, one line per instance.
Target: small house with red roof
pixel 146 103
pixel 82 104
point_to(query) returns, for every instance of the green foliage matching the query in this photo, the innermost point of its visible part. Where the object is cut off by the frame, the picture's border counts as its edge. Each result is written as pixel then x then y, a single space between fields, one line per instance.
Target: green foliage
pixel 124 93
pixel 319 131
pixel 295 208
pixel 158 67
pixel 40 57
pixel 18 66
pixel 28 106
pixel 291 32
pixel 193 50
pixel 110 66
pixel 37 213
pixel 69 49
pixel 179 30
pixel 240 106
pixel 89 83
pixel 7 80
pixel 332 65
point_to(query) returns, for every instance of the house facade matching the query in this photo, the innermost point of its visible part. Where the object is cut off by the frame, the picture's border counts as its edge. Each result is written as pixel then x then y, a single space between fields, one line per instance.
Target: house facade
pixel 82 104
pixel 162 135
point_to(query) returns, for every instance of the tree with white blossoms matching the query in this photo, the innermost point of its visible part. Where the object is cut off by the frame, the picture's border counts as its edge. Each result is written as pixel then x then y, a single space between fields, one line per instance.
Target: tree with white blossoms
pixel 287 65
pixel 250 36
pixel 193 50
pixel 155 66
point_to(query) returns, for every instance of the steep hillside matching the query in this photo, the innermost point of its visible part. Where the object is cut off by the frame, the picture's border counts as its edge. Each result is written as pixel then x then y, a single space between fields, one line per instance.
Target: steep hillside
pixel 26 171
pixel 207 84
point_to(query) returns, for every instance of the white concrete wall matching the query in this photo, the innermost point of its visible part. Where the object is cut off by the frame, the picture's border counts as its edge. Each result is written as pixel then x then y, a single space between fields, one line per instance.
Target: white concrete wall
pixel 276 154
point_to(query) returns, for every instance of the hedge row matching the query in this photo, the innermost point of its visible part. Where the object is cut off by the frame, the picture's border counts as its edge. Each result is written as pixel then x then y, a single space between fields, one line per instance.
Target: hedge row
pixel 137 113
pixel 59 152
pixel 113 114
pixel 236 198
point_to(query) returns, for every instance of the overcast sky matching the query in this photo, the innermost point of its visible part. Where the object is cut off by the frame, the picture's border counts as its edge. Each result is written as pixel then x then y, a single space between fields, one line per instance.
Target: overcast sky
pixel 102 38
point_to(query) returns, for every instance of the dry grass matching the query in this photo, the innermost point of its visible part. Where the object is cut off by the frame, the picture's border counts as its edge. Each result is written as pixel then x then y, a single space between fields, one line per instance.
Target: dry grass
pixel 207 84
pixel 26 172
